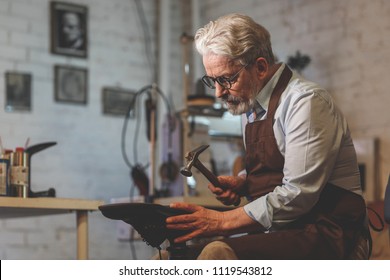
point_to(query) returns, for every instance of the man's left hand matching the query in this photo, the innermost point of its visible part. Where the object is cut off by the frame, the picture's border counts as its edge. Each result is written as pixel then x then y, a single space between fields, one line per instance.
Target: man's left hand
pixel 200 222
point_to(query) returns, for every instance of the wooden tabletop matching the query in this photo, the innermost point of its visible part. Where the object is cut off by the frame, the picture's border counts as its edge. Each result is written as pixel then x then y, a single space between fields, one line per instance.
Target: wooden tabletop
pixel 12 207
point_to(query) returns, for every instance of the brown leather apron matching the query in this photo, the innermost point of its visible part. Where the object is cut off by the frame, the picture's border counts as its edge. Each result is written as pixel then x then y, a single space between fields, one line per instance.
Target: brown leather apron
pixel 328 231
pixel 263 161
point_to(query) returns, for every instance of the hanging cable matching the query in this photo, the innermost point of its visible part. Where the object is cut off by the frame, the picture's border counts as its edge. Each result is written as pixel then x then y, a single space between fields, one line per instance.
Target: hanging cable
pixel 131 107
pixel 137 171
pixel 125 124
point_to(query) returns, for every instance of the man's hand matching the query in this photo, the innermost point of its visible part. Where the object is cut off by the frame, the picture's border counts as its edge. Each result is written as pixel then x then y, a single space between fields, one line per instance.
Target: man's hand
pixel 234 188
pixel 201 222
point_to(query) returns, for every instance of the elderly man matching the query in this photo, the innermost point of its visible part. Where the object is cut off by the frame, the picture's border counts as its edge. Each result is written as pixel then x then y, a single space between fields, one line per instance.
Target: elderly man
pixel 302 178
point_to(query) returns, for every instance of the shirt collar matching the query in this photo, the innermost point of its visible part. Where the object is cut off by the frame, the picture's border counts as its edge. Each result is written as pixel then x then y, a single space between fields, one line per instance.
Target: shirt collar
pixel 264 96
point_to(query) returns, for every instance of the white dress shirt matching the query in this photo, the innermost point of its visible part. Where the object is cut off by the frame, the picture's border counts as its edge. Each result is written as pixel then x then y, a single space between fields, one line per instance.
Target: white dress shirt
pixel 313 136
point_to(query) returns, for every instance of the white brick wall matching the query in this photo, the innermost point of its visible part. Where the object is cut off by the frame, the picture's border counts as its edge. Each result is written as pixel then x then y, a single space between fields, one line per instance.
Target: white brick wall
pixel 348 42
pixel 86 162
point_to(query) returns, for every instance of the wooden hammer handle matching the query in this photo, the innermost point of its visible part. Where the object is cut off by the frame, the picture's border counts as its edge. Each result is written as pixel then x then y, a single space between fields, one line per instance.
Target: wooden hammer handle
pixel 210 176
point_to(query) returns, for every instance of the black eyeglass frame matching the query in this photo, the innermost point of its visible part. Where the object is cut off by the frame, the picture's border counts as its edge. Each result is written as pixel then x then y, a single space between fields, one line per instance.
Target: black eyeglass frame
pixel 224 82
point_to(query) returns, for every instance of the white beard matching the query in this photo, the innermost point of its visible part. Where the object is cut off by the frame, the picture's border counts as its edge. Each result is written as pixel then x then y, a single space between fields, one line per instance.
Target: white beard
pixel 242 107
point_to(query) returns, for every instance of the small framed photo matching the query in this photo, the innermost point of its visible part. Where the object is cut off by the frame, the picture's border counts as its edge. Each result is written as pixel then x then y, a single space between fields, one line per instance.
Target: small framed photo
pixel 117 101
pixel 18 91
pixel 69 29
pixel 71 84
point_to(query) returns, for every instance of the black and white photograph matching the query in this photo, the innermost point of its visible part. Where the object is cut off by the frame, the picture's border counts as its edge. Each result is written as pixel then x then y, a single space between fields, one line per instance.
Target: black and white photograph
pixel 71 84
pixel 18 91
pixel 69 29
pixel 116 101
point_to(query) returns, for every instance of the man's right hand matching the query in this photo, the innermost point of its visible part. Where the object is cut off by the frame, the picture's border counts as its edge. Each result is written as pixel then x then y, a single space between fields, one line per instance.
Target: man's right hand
pixel 234 188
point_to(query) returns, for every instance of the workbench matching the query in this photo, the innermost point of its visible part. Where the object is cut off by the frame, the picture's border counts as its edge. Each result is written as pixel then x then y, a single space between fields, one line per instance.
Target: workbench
pixel 16 207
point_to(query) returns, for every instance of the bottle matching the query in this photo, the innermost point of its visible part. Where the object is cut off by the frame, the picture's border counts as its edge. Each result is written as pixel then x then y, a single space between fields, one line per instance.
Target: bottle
pixel 5 187
pixel 19 173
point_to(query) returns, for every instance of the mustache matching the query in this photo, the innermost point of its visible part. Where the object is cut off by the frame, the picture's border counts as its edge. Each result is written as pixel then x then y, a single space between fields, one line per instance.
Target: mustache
pixel 231 99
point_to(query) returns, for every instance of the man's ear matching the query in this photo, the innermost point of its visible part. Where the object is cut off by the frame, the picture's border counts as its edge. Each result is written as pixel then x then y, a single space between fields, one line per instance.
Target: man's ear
pixel 261 66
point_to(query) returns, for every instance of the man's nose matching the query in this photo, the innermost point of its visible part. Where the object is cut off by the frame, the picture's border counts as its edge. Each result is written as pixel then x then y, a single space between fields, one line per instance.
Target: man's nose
pixel 219 90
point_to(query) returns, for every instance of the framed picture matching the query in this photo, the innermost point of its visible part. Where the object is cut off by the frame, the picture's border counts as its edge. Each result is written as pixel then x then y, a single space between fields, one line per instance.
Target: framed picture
pixel 69 29
pixel 18 91
pixel 116 101
pixel 70 84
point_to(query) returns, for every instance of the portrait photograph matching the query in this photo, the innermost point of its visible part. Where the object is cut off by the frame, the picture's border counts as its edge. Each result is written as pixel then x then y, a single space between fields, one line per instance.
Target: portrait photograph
pixel 69 29
pixel 116 101
pixel 18 91
pixel 71 84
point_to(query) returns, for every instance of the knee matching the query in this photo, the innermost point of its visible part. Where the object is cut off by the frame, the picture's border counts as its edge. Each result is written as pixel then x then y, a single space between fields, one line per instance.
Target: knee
pixel 217 250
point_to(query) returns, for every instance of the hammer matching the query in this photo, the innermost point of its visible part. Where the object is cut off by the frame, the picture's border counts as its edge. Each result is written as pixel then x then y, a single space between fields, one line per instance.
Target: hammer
pixel 192 160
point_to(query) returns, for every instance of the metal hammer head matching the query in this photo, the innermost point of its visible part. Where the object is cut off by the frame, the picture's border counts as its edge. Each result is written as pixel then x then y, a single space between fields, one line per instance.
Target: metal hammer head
pixel 191 158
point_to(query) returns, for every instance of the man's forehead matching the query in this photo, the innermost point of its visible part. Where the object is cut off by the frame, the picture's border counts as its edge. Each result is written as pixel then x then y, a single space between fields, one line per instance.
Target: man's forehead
pixel 218 63
pixel 218 59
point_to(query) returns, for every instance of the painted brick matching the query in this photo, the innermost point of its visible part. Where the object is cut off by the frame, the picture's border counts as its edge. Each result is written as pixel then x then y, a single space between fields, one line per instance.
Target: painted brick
pixel 4 7
pixel 13 53
pixel 36 69
pixel 116 56
pixel 11 237
pixel 28 39
pixel 348 42
pixel 13 23
pixel 3 37
pixel 26 10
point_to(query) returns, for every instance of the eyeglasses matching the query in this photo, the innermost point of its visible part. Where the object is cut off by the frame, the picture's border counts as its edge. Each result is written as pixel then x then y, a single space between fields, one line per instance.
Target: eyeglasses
pixel 224 82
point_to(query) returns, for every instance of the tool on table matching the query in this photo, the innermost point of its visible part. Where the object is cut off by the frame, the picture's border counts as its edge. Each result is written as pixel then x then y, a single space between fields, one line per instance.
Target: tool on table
pixel 193 160
pixel 30 151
